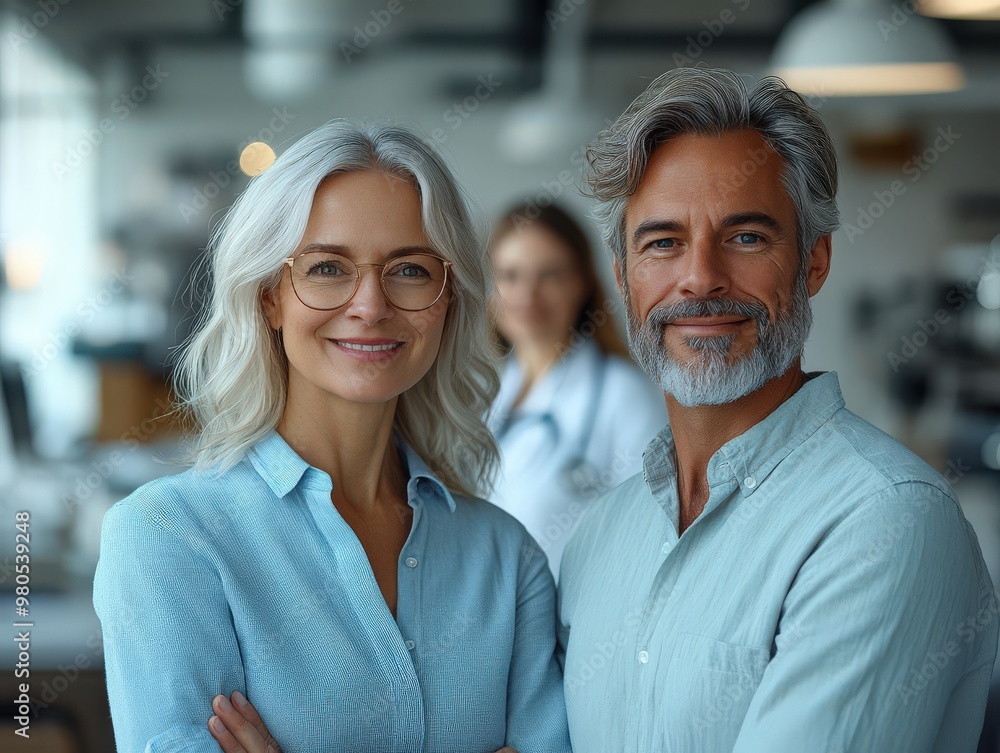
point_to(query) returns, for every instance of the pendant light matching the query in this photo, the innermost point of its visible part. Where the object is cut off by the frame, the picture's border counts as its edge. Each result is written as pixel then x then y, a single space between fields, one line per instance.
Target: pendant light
pixel 860 47
pixel 983 10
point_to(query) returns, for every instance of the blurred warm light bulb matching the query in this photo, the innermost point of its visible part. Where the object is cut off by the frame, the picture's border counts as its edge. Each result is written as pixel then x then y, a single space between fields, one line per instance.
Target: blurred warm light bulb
pixel 22 266
pixel 256 158
pixel 968 9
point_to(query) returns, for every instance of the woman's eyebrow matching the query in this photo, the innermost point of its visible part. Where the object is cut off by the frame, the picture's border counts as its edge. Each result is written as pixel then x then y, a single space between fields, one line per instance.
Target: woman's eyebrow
pixel 336 248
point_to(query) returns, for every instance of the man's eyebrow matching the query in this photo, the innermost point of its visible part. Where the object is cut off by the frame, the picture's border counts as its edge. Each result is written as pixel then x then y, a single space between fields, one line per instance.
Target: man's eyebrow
pixel 753 218
pixel 655 226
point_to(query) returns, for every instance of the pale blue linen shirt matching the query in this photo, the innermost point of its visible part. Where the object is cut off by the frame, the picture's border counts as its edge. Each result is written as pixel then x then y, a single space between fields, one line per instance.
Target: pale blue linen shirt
pixel 252 581
pixel 830 597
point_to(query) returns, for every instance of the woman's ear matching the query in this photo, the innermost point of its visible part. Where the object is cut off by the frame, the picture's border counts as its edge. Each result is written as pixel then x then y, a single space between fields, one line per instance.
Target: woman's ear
pixel 272 306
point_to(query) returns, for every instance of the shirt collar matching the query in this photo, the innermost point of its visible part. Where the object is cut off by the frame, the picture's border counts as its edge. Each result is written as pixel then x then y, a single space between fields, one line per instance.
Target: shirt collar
pixel 423 481
pixel 752 455
pixel 583 357
pixel 279 465
pixel 282 469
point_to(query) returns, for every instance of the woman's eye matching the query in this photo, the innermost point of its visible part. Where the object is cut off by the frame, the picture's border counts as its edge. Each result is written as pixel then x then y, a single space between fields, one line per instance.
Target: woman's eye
pixel 325 269
pixel 409 270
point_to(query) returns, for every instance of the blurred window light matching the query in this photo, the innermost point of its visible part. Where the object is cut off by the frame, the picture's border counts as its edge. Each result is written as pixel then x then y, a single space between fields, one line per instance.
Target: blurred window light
pixel 256 158
pixel 988 290
pixel 863 48
pixel 49 195
pixel 991 451
pixel 982 10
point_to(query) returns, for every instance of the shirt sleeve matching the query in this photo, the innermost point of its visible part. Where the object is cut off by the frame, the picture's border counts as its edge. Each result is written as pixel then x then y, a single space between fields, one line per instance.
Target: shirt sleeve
pixel 536 710
pixel 169 641
pixel 887 637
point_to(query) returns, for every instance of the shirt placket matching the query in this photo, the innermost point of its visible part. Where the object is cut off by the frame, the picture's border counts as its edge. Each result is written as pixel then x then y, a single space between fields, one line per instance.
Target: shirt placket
pixel 647 656
pixel 408 576
pixel 664 594
pixel 386 641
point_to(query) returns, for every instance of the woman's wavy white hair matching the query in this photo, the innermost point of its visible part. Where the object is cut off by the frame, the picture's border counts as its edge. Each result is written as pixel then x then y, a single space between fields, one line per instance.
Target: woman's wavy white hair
pixel 231 376
pixel 711 101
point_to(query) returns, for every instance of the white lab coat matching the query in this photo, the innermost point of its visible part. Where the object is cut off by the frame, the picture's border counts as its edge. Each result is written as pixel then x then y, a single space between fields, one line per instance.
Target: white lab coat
pixel 541 437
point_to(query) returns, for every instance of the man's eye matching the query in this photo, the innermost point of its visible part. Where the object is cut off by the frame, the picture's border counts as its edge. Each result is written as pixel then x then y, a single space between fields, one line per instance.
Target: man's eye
pixel 663 243
pixel 749 239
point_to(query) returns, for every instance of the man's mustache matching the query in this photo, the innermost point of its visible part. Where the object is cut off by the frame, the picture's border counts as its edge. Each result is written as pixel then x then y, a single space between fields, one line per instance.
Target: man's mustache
pixel 690 309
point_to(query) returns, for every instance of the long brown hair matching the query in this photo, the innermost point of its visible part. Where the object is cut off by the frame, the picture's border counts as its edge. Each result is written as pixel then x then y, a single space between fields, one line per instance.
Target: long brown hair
pixel 595 319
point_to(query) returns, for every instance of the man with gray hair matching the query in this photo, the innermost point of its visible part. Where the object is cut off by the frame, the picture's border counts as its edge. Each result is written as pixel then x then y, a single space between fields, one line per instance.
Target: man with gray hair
pixel 783 576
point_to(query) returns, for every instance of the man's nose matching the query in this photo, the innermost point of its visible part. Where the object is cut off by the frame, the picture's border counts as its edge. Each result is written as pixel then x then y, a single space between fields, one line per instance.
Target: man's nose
pixel 704 271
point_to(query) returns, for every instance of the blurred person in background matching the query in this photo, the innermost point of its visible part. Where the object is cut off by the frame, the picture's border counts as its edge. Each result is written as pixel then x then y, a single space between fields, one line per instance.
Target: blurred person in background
pixel 327 557
pixel 573 413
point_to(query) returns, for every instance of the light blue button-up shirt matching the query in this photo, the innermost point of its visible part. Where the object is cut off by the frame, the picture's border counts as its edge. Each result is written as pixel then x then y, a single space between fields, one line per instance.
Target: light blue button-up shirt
pixel 252 581
pixel 830 597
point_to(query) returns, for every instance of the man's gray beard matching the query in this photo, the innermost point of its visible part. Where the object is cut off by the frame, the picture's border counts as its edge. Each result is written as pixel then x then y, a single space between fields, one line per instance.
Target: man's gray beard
pixel 712 377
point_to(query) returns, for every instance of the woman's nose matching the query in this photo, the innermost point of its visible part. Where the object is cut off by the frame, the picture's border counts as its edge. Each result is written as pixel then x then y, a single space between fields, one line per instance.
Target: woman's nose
pixel 369 301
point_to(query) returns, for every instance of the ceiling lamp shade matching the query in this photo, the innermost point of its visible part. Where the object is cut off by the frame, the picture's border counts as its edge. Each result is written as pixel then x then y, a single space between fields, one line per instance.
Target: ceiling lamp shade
pixel 853 47
pixel 984 10
pixel 542 128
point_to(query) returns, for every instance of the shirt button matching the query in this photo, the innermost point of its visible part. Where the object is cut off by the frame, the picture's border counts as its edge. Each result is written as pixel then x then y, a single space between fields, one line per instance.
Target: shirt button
pixel 666 548
pixel 644 657
pixel 750 482
pixel 411 561
pixel 409 645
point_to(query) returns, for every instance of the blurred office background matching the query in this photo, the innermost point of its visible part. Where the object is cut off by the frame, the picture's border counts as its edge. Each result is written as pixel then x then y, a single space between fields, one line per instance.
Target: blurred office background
pixel 123 125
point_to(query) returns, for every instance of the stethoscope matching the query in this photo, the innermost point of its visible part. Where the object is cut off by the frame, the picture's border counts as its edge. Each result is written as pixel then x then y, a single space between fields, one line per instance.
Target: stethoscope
pixel 578 475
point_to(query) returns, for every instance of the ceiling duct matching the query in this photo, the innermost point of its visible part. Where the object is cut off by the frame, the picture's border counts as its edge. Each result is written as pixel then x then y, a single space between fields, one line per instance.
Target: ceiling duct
pixel 289 46
pixel 551 122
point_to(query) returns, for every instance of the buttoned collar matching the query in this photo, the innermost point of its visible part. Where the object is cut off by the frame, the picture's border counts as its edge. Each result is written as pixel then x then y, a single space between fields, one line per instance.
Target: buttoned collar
pixel 283 470
pixel 752 455
pixel 423 481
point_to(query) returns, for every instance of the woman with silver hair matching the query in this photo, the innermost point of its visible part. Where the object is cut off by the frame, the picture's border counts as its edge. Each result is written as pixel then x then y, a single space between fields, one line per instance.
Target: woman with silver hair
pixel 327 556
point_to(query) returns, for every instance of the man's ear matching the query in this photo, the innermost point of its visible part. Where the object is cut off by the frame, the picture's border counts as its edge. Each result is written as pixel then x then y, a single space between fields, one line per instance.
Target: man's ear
pixel 272 307
pixel 819 264
pixel 618 273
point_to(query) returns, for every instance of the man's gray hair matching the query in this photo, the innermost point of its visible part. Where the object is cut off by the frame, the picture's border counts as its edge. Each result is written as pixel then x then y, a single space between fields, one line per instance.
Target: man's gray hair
pixel 710 102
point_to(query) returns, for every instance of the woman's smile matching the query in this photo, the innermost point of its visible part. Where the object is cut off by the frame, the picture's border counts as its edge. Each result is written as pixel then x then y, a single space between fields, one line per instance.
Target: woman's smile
pixel 369 349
